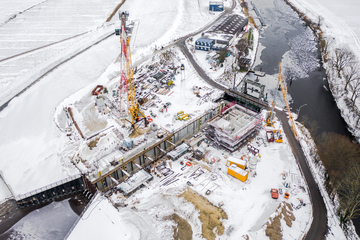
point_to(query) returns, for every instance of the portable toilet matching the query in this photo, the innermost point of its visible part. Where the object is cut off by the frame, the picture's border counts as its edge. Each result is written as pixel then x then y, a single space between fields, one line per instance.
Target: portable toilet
pixel 238 173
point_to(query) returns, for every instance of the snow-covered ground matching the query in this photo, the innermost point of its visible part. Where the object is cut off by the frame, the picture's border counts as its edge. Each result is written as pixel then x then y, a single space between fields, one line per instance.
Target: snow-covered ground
pixel 34 28
pixel 248 205
pixel 224 75
pixel 4 191
pixel 33 147
pixel 339 18
pixel 32 144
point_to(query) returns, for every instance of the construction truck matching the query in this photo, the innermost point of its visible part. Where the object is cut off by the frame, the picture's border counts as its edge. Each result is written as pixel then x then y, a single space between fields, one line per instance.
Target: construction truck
pixel 277 136
pixel 196 90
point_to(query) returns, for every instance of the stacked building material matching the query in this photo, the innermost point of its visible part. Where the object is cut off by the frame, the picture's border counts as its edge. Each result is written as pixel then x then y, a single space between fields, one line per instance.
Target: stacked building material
pixel 178 151
pixel 134 182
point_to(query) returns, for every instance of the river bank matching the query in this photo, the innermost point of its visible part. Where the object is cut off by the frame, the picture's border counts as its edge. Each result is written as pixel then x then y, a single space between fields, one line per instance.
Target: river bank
pixel 293 41
pixel 342 103
pixel 328 42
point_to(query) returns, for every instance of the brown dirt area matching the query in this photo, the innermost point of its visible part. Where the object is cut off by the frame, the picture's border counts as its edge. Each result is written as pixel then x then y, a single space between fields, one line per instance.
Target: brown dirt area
pixel 139 131
pixel 93 143
pixel 183 230
pixel 273 229
pixel 210 215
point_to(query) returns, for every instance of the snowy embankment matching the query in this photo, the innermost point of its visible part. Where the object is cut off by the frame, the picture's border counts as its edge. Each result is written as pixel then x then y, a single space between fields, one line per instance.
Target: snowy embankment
pixel 340 29
pixel 318 171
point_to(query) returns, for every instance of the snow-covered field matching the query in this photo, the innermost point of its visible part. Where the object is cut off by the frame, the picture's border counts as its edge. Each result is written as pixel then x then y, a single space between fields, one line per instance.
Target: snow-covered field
pixel 4 191
pixel 339 18
pixel 37 26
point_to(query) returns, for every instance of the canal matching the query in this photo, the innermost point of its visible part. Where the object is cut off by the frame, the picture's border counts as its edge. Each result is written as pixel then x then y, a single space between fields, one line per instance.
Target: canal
pixel 286 38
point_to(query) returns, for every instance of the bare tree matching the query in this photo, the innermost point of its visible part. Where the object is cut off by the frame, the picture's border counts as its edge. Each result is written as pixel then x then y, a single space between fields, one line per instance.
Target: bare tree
pixel 325 43
pixel 242 46
pixel 355 89
pixel 351 73
pixel 320 18
pixel 311 125
pixel 348 190
pixel 342 57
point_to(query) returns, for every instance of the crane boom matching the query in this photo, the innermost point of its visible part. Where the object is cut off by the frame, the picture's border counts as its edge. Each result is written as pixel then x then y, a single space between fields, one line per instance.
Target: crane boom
pixel 127 81
pixel 284 91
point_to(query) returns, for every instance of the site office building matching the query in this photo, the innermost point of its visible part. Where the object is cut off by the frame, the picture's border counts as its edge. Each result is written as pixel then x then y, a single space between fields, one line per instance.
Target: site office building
pixel 222 34
pixel 216 5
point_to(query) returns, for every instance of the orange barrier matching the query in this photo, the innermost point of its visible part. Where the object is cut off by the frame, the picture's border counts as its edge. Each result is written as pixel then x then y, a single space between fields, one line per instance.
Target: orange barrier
pixel 96 92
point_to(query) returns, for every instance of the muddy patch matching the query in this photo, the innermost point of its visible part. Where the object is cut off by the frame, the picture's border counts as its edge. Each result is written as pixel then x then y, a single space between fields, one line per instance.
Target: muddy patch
pixel 273 227
pixel 93 143
pixel 183 230
pixel 210 215
pixel 137 131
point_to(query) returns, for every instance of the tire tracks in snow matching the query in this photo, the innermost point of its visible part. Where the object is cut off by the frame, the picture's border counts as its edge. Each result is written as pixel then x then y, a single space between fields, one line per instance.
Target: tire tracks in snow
pixel 15 15
pixel 3 106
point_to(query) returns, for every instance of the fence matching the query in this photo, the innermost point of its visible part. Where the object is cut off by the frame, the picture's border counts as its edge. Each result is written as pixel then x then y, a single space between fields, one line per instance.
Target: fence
pixel 52 191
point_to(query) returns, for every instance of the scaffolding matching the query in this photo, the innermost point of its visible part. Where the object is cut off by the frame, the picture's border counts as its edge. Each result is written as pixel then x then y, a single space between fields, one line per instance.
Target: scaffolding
pixel 233 127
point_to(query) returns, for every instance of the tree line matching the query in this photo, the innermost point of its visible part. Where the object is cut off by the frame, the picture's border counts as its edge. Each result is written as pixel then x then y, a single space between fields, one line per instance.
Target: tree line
pixel 341 159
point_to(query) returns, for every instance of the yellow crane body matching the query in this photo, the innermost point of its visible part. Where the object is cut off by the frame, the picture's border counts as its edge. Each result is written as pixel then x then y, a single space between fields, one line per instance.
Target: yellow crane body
pixel 284 91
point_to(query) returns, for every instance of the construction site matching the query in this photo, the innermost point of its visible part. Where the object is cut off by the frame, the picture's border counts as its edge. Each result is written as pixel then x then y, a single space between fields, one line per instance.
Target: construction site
pixel 169 156
pixel 167 139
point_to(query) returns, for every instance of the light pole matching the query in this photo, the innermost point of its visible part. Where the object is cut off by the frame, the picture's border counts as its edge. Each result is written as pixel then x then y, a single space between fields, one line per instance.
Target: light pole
pixel 298 111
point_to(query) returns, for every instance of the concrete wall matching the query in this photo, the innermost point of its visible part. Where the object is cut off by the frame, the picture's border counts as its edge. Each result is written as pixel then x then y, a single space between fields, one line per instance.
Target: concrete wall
pixel 187 131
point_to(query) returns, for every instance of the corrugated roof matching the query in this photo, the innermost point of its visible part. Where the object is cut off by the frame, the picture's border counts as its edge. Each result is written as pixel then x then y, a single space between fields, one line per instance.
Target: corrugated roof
pixel 205 40
pixel 230 25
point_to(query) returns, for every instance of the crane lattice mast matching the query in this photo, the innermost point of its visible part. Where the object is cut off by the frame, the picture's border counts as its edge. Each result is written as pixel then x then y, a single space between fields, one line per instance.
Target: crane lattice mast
pixel 127 82
pixel 284 91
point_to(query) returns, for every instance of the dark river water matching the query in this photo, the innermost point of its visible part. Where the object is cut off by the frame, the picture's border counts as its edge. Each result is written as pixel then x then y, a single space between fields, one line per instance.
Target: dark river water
pixel 52 221
pixel 287 39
